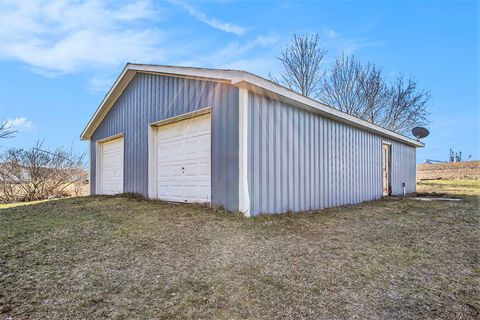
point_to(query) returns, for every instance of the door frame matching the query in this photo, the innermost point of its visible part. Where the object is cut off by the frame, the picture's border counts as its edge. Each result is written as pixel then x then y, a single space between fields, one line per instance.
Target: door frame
pixel 99 161
pixel 152 146
pixel 388 166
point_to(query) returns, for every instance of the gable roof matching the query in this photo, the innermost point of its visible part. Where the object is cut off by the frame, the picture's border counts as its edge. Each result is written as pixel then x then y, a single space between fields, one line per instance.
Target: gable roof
pixel 241 79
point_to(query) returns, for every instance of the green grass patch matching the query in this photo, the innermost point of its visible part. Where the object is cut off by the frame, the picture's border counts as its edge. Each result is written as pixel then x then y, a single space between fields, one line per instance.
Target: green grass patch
pixel 18 204
pixel 454 187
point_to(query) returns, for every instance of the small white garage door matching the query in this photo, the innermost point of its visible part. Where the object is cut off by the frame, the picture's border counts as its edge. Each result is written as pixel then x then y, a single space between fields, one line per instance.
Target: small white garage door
pixel 183 160
pixel 112 167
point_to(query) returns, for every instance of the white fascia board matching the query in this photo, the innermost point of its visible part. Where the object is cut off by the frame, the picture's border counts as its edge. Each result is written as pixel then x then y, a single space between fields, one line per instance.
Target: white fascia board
pixel 115 91
pixel 241 79
pixel 129 72
pixel 265 87
pixel 189 72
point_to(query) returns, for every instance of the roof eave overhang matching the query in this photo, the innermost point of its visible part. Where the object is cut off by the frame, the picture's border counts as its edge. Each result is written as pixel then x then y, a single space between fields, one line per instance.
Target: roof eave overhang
pixel 313 106
pixel 239 79
pixel 129 72
pixel 115 91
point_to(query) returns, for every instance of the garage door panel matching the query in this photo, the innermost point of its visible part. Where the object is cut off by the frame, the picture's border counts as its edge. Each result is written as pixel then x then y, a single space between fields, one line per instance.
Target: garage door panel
pixel 112 167
pixel 183 160
pixel 172 193
pixel 196 194
pixel 192 170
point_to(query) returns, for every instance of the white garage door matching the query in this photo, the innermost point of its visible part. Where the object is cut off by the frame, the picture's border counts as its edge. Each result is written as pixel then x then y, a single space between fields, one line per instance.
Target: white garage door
pixel 183 160
pixel 112 167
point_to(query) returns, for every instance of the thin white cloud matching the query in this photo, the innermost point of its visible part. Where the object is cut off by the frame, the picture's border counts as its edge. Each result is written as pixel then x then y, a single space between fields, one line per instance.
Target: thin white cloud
pixel 19 124
pixel 257 55
pixel 97 37
pixel 214 23
pixel 261 66
pixel 330 33
pixel 335 42
pixel 100 83
pixel 64 36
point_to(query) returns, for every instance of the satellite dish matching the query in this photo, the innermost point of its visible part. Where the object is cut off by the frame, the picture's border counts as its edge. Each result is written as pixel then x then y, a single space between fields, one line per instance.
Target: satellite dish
pixel 420 132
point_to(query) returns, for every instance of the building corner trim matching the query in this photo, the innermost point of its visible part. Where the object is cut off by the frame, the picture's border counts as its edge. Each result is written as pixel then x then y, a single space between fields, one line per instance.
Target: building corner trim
pixel 243 194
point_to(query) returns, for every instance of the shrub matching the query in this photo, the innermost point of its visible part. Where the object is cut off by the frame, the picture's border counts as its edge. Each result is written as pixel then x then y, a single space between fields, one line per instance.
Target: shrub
pixel 35 174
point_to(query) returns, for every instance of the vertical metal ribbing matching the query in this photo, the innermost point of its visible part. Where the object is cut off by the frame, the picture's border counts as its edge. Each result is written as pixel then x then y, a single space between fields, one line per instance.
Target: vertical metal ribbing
pixel 304 161
pixel 354 166
pixel 347 165
pixel 307 162
pixel 316 166
pixel 363 164
pixel 372 163
pixel 332 170
pixel 257 158
pixel 265 157
pixel 403 158
pixel 324 157
pixel 271 161
pixel 301 170
pixel 150 98
pixel 287 164
pixel 277 163
pixel 328 154
pixel 285 159
pixel 294 159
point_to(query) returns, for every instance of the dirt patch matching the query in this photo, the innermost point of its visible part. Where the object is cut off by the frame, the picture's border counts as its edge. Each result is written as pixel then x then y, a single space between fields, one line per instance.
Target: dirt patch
pixel 431 195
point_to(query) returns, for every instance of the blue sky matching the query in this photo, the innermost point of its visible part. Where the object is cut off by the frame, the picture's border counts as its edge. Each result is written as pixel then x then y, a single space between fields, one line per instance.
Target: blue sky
pixel 58 58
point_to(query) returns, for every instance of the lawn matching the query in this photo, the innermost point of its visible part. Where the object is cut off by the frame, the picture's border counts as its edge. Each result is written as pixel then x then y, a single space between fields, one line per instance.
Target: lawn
pixel 121 257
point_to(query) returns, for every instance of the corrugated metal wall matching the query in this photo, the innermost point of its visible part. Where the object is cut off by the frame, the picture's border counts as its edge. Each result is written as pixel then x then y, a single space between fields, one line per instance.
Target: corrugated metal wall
pixel 302 161
pixel 150 98
pixel 403 168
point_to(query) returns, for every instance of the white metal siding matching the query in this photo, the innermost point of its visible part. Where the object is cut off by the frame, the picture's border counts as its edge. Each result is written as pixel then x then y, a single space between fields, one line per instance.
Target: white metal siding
pixel 112 166
pixel 151 98
pixel 403 168
pixel 302 161
pixel 183 160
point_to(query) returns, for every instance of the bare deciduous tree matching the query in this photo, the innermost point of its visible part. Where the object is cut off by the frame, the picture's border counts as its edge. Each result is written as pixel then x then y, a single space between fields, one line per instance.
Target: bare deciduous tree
pixel 360 90
pixel 407 106
pixel 301 61
pixel 355 88
pixel 342 88
pixel 6 131
pixel 35 174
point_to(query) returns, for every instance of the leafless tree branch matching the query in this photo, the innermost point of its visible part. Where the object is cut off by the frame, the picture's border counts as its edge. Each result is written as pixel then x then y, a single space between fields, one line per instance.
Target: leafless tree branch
pixel 301 61
pixel 360 90
pixel 6 131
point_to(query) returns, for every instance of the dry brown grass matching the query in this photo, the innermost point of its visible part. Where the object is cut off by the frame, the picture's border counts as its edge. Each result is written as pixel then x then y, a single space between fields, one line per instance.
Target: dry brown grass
pixel 449 171
pixel 78 189
pixel 124 258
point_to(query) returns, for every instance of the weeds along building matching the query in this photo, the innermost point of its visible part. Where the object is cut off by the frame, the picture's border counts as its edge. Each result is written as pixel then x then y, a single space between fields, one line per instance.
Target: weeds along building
pixel 237 140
